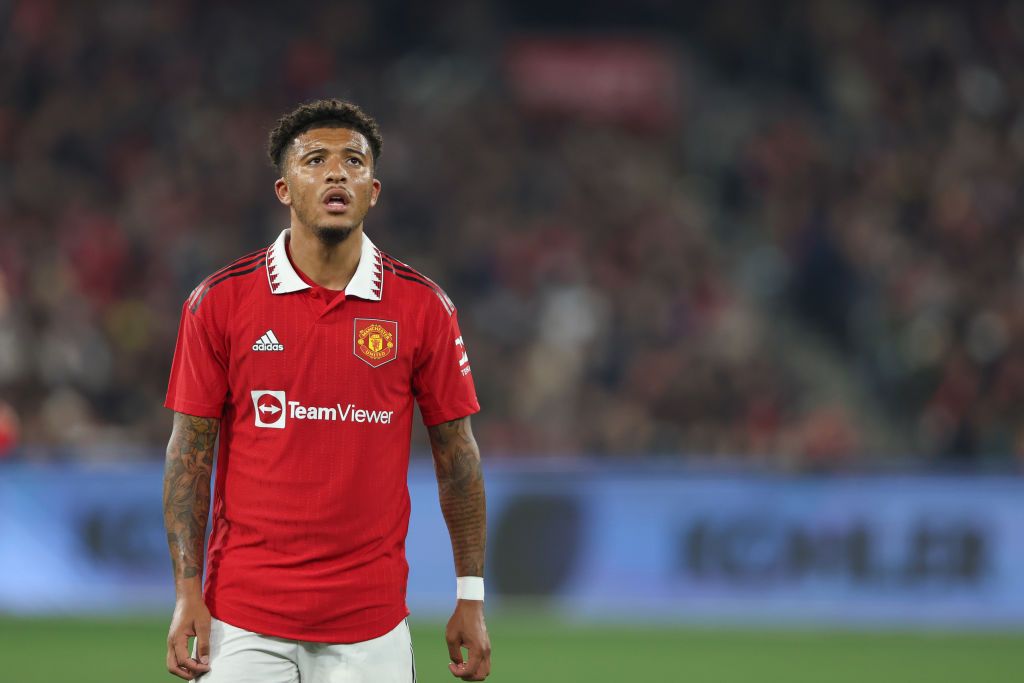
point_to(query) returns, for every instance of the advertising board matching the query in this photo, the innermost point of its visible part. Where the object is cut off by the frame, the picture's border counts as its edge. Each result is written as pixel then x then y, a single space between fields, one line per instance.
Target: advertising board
pixel 593 542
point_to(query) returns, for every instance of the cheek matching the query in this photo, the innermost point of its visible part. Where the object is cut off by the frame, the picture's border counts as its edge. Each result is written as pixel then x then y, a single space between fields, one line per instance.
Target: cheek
pixel 302 186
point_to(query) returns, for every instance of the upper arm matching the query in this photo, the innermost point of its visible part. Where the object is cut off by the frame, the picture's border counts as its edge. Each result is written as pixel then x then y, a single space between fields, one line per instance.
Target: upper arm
pixel 445 434
pixel 452 441
pixel 193 436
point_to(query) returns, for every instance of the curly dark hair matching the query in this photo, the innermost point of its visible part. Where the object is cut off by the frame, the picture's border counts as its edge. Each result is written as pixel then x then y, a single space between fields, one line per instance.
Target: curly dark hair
pixel 330 113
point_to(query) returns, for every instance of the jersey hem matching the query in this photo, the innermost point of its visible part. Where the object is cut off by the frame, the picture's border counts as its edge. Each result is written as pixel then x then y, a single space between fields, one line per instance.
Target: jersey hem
pixel 367 630
pixel 434 419
pixel 180 405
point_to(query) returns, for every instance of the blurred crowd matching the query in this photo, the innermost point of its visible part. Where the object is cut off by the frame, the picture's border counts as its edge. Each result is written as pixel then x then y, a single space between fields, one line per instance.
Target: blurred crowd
pixel 818 260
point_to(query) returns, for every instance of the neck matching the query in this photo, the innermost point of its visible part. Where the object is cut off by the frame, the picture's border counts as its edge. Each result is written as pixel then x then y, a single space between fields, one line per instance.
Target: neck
pixel 329 264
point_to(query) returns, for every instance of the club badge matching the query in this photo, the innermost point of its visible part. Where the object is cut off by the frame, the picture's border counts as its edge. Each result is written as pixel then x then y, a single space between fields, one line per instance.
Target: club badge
pixel 375 342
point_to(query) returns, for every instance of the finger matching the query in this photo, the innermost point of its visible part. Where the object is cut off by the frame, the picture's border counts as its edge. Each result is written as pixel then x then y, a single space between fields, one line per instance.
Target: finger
pixel 480 659
pixel 184 661
pixel 203 642
pixel 455 651
pixel 172 665
pixel 472 663
pixel 485 665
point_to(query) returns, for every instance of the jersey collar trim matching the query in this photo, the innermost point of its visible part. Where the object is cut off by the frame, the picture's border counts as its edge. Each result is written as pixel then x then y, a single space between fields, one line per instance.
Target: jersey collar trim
pixel 367 282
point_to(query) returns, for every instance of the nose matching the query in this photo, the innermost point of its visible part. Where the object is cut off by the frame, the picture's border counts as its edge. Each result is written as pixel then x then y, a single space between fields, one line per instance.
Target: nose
pixel 336 172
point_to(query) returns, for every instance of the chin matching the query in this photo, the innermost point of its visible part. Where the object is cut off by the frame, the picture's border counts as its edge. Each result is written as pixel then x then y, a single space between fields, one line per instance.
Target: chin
pixel 332 235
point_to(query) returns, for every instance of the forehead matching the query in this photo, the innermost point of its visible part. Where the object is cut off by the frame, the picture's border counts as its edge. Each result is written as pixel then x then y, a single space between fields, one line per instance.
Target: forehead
pixel 331 138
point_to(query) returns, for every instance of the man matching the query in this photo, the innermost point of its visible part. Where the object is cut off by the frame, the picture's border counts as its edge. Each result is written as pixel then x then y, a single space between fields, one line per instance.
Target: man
pixel 305 358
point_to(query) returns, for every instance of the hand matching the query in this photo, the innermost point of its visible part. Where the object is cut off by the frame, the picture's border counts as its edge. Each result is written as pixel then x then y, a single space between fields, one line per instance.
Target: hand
pixel 191 618
pixel 467 629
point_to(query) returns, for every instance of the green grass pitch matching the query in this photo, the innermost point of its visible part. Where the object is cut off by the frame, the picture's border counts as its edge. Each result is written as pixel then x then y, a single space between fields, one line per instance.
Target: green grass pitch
pixel 539 649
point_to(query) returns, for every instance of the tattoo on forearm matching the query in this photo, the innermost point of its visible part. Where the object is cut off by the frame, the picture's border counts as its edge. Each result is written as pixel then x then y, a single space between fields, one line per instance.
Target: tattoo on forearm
pixel 190 455
pixel 460 484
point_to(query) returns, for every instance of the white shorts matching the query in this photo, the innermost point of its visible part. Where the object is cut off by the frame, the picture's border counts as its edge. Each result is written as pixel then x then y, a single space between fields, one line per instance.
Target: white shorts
pixel 240 656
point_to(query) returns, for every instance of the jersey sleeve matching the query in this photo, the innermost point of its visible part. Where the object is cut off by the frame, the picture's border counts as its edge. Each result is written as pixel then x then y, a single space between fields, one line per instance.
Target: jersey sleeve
pixel 199 373
pixel 442 381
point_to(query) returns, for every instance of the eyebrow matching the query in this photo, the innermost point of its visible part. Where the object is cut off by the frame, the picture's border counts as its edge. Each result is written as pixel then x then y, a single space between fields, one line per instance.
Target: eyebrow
pixel 322 150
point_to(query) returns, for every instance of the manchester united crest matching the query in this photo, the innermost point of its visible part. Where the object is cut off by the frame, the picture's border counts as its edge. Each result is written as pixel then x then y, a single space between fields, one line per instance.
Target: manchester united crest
pixel 375 341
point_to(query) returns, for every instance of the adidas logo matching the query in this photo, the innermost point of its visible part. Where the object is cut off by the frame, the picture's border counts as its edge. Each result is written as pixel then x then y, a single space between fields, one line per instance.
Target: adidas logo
pixel 268 342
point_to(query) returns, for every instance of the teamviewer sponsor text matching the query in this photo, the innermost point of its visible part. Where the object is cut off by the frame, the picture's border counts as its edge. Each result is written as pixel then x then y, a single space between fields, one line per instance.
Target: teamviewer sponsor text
pixel 347 413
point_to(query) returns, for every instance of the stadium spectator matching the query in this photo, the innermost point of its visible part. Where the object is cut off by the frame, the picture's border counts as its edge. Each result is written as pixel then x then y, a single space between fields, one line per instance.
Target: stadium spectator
pixel 819 256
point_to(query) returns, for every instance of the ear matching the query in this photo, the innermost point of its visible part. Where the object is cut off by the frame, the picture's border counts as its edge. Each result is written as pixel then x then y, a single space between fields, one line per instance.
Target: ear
pixel 374 192
pixel 282 192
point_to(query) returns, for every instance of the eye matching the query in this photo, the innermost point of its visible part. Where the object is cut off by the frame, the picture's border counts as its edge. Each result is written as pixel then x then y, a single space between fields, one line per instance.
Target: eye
pixel 355 161
pixel 315 160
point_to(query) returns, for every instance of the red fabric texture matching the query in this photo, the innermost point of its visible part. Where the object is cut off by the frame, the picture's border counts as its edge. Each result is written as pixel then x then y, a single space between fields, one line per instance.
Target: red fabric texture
pixel 310 516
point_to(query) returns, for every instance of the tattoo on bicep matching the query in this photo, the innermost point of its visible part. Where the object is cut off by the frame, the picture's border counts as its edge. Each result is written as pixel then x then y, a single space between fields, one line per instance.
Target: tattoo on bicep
pixel 461 489
pixel 190 456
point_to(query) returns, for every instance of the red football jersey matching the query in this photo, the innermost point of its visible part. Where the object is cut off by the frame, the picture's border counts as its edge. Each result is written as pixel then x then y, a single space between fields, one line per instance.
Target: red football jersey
pixel 315 396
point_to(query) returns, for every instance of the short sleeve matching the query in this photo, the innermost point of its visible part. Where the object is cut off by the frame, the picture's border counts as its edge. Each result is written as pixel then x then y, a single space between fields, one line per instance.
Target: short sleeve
pixel 442 380
pixel 198 384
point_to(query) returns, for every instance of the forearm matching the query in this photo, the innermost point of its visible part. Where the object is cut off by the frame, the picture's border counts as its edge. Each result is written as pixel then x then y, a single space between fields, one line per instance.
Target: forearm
pixel 186 499
pixel 460 486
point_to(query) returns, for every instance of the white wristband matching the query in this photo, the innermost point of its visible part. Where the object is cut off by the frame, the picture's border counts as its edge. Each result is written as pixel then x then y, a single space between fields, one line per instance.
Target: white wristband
pixel 469 588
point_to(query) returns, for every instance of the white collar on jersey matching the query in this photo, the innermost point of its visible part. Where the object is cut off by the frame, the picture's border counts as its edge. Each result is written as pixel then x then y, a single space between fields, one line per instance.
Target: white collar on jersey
pixel 367 282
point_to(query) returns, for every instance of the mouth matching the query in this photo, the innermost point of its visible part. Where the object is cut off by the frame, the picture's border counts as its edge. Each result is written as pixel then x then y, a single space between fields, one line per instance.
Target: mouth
pixel 336 200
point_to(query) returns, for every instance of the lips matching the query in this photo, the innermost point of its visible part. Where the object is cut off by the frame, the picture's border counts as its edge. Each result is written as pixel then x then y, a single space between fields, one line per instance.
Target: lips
pixel 336 200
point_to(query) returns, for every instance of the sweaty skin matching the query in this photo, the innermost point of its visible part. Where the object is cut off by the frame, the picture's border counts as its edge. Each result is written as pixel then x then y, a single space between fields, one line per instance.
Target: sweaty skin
pixel 326 243
pixel 460 485
pixel 187 470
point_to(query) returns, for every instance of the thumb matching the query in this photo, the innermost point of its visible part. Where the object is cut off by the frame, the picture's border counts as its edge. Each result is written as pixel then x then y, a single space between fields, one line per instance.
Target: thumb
pixel 203 640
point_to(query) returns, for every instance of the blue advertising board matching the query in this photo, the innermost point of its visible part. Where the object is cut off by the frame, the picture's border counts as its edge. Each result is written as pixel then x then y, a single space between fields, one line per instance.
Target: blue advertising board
pixel 601 542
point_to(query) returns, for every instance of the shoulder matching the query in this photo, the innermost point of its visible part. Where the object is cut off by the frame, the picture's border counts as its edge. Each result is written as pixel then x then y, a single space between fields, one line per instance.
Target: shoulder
pixel 241 271
pixel 414 285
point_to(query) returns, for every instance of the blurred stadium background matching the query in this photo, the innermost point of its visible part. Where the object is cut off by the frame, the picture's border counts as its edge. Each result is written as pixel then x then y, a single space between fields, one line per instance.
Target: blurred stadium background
pixel 743 284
